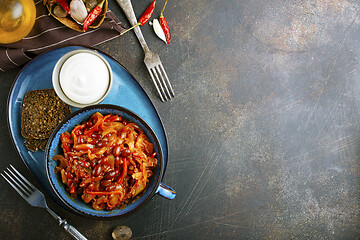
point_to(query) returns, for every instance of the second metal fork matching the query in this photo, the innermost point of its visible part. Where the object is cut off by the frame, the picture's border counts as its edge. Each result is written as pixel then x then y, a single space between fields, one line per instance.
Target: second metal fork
pixel 152 60
pixel 36 198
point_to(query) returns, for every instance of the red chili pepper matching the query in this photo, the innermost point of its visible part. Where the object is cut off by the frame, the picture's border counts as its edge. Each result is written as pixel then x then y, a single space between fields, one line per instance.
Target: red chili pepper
pixel 64 5
pixel 147 14
pixel 85 146
pixel 96 127
pixel 75 132
pixel 72 189
pixel 144 18
pixel 103 192
pixel 93 15
pixel 114 118
pixel 164 25
pixel 123 173
pixel 84 163
pixel 65 140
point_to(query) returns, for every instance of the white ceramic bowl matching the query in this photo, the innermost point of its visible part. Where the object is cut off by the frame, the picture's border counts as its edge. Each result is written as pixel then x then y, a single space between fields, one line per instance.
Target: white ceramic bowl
pixel 68 80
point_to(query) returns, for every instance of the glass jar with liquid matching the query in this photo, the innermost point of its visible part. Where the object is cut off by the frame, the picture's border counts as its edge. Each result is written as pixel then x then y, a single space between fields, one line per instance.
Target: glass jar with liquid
pixel 17 17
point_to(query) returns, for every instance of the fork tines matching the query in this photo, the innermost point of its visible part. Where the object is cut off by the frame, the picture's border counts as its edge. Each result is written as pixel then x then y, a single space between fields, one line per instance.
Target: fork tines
pixel 18 182
pixel 161 82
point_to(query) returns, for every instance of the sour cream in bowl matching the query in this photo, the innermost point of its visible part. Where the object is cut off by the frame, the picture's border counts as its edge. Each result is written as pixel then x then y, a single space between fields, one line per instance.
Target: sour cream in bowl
pixel 82 77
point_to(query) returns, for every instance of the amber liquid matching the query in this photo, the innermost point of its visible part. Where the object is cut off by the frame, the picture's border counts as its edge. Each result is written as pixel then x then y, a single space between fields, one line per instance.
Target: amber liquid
pixel 17 17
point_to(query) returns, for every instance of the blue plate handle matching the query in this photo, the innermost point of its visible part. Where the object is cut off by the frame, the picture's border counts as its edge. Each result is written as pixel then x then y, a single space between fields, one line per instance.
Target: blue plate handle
pixel 166 191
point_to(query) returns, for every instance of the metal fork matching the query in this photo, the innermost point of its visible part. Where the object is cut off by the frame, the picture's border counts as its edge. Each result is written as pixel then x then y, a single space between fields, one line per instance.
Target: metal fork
pixel 36 198
pixel 152 60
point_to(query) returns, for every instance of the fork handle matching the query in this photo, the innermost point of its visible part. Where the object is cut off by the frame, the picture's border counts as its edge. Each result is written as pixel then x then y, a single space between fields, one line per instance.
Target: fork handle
pixel 127 8
pixel 73 231
pixel 68 227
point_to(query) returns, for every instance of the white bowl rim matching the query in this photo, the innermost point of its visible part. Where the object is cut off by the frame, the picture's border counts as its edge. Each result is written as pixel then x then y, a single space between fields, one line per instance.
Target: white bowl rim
pixel 55 77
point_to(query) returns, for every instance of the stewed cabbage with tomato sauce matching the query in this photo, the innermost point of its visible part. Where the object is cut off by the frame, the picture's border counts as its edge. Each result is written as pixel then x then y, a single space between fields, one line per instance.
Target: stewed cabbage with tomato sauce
pixel 107 160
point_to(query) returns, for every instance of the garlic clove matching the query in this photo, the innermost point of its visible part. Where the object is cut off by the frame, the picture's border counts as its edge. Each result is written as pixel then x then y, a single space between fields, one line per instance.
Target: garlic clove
pixel 122 233
pixel 78 11
pixel 158 30
pixel 59 11
pixel 91 4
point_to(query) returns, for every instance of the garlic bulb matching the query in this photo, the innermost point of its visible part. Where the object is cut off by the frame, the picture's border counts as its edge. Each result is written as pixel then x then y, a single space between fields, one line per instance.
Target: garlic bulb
pixel 158 30
pixel 78 11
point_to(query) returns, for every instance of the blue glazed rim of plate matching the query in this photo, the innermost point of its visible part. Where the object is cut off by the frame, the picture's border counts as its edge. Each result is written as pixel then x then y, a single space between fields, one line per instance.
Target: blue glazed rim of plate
pixel 13 109
pixel 53 148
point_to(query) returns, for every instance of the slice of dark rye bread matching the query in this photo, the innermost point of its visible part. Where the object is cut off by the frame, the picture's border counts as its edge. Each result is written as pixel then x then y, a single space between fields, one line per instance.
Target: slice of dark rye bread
pixel 42 111
pixel 36 144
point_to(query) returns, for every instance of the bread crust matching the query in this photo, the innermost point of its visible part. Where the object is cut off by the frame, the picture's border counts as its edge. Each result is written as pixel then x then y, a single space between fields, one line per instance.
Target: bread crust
pixel 42 111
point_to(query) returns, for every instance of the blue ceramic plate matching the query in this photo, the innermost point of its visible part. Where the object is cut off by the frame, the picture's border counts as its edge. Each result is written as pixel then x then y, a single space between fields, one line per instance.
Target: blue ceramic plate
pixel 54 148
pixel 126 92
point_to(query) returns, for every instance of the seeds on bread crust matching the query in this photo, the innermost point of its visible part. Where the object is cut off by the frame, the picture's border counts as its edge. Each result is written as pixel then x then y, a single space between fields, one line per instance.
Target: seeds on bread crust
pixel 42 111
pixel 36 144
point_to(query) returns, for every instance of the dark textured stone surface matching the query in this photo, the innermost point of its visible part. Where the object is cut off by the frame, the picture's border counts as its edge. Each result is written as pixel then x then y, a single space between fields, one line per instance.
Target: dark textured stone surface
pixel 264 136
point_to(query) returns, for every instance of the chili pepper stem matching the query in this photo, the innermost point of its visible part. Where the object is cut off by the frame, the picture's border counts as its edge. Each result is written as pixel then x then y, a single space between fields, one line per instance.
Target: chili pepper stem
pixel 138 24
pixel 101 4
pixel 162 10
